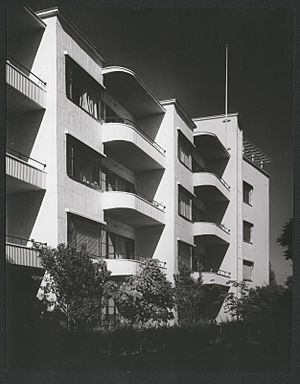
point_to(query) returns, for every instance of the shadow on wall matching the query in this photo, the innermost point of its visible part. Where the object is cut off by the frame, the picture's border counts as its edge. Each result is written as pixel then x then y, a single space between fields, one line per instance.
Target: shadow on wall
pixel 22 211
pixel 150 124
pixel 22 131
pixel 147 239
pixel 148 182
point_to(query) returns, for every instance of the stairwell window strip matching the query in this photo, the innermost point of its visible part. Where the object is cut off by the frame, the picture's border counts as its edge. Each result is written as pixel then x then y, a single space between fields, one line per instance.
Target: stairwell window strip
pixel 247 232
pixel 184 151
pixel 185 203
pixel 247 193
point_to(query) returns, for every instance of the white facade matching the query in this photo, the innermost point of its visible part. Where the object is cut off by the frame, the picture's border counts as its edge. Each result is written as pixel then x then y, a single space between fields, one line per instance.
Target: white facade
pixel 129 176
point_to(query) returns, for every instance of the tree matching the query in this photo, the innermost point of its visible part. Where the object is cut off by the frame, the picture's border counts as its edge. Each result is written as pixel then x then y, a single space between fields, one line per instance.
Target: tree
pixel 74 285
pixel 146 296
pixel 286 240
pixel 189 295
pixel 255 304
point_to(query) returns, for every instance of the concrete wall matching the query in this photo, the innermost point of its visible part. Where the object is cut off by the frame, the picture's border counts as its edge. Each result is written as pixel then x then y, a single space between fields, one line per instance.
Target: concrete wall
pixel 257 214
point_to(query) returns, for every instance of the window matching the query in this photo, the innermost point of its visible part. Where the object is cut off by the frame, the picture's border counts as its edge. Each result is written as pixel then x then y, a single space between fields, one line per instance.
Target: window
pixel 184 151
pixel 83 90
pixel 85 233
pixel 119 247
pixel 185 253
pixel 113 182
pixel 247 270
pixel 184 203
pixel 247 193
pixel 247 231
pixel 83 163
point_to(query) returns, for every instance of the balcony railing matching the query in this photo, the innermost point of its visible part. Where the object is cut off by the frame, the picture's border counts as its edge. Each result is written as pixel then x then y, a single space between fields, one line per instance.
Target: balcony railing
pixel 24 157
pixel 18 168
pixel 19 251
pixel 26 82
pixel 140 195
pixel 135 127
pixel 25 71
pixel 224 228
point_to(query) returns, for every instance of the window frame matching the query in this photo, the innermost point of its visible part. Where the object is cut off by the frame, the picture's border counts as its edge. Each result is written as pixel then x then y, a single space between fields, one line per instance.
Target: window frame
pixel 187 213
pixel 250 226
pixel 249 192
pixel 184 143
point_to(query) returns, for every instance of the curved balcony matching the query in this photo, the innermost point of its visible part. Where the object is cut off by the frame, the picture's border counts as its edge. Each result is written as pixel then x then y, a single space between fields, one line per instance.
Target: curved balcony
pixel 218 277
pixel 210 146
pixel 211 187
pixel 24 175
pixel 121 136
pixel 133 209
pixel 26 91
pixel 126 87
pixel 212 233
pixel 19 251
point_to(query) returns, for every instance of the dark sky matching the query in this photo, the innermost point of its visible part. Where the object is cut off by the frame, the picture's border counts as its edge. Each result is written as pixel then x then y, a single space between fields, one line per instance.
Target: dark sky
pixel 180 53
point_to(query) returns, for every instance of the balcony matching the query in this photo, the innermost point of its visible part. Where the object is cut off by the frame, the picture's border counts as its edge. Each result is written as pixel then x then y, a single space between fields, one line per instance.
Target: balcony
pixel 132 208
pixel 127 267
pixel 126 87
pixel 217 277
pixel 209 146
pixel 23 175
pixel 19 251
pixel 122 136
pixel 212 233
pixel 26 91
pixel 211 187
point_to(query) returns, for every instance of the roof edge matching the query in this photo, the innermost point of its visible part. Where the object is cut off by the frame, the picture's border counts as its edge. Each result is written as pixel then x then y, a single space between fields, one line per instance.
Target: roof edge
pixel 55 11
pixel 211 117
pixel 181 112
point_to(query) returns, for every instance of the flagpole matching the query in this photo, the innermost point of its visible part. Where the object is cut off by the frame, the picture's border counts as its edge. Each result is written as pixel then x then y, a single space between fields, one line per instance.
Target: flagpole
pixel 226 84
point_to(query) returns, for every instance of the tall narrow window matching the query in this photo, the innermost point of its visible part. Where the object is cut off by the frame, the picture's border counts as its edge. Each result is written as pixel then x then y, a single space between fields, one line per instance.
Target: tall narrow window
pixel 185 253
pixel 185 203
pixel 184 150
pixel 83 90
pixel 247 231
pixel 247 193
pixel 247 270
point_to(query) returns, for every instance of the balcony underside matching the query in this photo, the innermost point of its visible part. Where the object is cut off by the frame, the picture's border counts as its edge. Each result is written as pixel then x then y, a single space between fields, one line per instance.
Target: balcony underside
pixel 210 146
pixel 132 210
pixel 18 103
pixel 210 188
pixel 211 234
pixel 126 87
pixel 22 177
pixel 21 20
pixel 213 278
pixel 131 149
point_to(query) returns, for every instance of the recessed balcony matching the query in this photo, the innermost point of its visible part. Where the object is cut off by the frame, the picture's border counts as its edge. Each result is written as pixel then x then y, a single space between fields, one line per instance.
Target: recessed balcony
pixel 217 277
pixel 122 136
pixel 211 187
pixel 25 91
pixel 24 175
pixel 19 251
pixel 132 208
pixel 212 233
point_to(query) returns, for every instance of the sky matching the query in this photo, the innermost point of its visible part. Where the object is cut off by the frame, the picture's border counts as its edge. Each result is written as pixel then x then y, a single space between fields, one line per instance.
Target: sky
pixel 180 53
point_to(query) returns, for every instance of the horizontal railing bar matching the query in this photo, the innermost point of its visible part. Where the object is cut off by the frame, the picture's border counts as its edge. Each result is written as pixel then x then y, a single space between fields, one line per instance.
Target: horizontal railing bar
pixel 13 62
pixel 27 240
pixel 19 154
pixel 137 129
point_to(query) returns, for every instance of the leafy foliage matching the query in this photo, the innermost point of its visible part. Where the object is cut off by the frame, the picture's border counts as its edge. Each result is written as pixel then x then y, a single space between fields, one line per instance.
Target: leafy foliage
pixel 255 304
pixel 146 296
pixel 189 294
pixel 286 240
pixel 75 285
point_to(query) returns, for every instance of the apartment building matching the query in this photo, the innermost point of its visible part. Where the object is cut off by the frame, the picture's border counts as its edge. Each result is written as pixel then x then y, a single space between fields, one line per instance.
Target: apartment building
pixel 94 158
